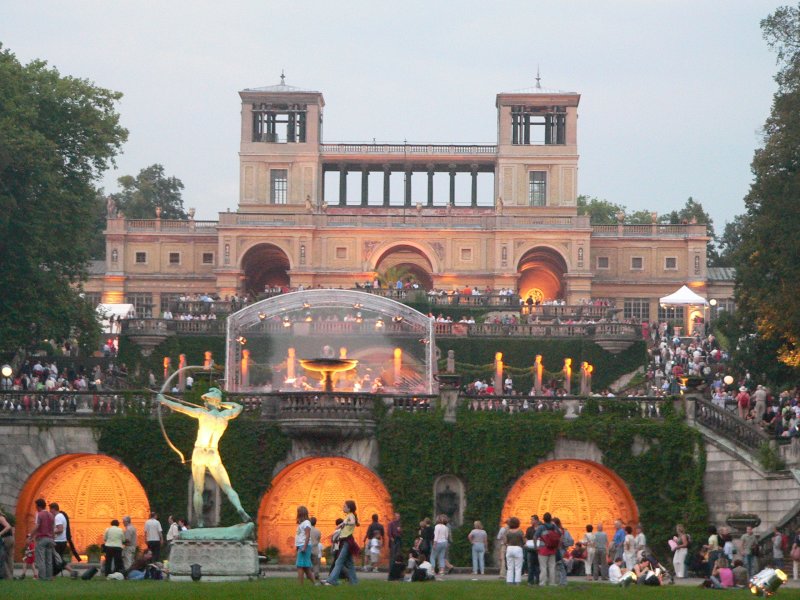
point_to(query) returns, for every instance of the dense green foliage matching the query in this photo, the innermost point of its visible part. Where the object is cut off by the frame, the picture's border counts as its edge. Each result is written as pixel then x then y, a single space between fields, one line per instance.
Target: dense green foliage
pixel 489 451
pixel 194 347
pixel 57 136
pixel 768 259
pixel 475 359
pixel 140 196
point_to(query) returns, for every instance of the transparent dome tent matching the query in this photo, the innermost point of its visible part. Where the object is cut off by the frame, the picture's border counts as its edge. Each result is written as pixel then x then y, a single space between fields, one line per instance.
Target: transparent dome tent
pixel 393 344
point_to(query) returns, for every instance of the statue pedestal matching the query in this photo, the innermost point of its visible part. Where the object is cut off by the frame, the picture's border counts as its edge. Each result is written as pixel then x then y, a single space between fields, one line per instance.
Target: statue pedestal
pixel 220 560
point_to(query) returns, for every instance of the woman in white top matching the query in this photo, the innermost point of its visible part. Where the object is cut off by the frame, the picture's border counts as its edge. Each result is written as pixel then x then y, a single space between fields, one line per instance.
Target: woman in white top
pixel 628 550
pixel 588 541
pixel 441 535
pixel 640 543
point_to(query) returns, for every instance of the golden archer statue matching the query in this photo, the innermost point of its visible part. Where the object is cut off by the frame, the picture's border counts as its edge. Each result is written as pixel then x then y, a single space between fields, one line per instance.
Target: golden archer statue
pixel 212 423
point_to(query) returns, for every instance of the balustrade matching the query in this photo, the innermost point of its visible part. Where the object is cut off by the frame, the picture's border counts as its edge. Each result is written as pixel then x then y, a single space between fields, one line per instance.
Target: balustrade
pixel 729 425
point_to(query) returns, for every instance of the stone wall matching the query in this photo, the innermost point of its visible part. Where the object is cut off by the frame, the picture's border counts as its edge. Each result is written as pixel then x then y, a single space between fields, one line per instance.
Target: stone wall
pixel 735 483
pixel 27 445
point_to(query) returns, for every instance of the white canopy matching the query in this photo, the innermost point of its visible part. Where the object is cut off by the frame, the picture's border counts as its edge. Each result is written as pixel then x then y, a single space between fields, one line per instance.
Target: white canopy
pixel 684 296
pixel 118 311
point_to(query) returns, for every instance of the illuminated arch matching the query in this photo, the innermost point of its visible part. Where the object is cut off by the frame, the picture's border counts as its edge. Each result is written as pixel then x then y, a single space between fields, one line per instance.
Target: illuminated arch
pixel 321 485
pixel 579 492
pixel 381 252
pixel 92 489
pixel 541 273
pixel 265 265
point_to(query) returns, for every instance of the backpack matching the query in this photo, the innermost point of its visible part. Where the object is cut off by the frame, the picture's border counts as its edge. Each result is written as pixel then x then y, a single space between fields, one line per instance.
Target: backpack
pixel 552 538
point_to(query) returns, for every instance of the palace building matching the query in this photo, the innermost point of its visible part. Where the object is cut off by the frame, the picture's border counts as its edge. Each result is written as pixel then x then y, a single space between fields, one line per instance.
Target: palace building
pixel 492 216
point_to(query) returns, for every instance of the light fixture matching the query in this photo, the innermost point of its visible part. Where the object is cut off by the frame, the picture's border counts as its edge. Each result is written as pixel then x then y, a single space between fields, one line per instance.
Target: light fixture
pixel 7 371
pixel 397 319
pixel 713 302
pixel 359 318
pixel 767 582
pixel 262 316
pixel 358 305
pixel 728 380
pixel 242 340
pixel 306 305
pixel 379 323
pixel 309 318
pixel 286 321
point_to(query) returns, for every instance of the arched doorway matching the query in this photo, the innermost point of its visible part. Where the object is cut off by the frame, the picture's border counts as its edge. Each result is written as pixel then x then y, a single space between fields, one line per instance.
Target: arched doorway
pixel 265 266
pixel 92 489
pixel 541 276
pixel 321 485
pixel 579 492
pixel 406 263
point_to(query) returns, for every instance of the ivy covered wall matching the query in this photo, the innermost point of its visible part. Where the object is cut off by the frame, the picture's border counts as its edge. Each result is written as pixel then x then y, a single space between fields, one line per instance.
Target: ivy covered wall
pixel 488 451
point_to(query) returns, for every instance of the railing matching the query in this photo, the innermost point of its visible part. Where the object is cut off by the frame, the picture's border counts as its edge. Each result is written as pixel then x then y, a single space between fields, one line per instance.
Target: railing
pixel 638 407
pixel 371 148
pixel 729 425
pixel 75 404
pixel 170 225
pixel 172 326
pixel 621 330
pixel 657 230
pixel 566 311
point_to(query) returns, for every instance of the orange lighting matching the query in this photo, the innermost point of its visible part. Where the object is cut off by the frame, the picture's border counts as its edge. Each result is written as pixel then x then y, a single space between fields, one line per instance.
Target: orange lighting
pixel 322 485
pixel 207 360
pixel 576 491
pixel 245 367
pixel 92 489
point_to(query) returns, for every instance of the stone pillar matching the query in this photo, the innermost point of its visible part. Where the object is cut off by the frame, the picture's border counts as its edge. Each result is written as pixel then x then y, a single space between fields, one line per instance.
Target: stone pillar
pixel 538 368
pixel 452 200
pixel 342 185
pixel 387 190
pixel 407 195
pixel 449 400
pixel 364 186
pixel 474 194
pixel 451 361
pixel 430 185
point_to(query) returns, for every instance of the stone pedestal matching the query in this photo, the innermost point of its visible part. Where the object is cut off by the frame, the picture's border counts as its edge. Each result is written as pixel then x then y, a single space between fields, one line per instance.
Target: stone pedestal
pixel 221 560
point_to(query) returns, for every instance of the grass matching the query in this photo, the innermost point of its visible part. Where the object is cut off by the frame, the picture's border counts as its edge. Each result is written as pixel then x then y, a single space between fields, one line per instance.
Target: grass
pixel 275 587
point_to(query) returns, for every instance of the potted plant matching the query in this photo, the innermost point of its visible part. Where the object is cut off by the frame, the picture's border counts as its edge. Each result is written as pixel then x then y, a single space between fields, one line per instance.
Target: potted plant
pixel 93 553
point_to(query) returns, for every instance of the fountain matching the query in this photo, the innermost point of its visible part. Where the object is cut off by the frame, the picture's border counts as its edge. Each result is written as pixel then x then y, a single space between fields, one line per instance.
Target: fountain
pixel 328 366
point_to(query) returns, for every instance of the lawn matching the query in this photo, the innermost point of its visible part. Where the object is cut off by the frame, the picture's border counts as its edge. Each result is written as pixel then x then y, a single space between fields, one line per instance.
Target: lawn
pixel 64 589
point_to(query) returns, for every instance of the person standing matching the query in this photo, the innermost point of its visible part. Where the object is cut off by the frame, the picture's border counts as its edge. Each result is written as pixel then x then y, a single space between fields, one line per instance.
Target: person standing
pixel 501 549
pixel 59 533
pixel 681 550
pixel 478 538
pixel 600 564
pixel 129 549
pixel 532 556
pixel 7 538
pixel 777 548
pixel 629 548
pixel 42 534
pixel 375 527
pixel 795 554
pixel 154 535
pixel 588 542
pixel 550 540
pixel 441 536
pixel 618 542
pixel 749 541
pixel 395 534
pixel 347 546
pixel 173 531
pixel 640 543
pixel 114 540
pixel 316 539
pixel 302 541
pixel 515 539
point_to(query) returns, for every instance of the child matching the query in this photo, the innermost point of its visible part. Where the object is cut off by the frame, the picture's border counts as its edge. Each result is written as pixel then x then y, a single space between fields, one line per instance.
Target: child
pixel 302 542
pixel 375 551
pixel 28 560
pixel 425 570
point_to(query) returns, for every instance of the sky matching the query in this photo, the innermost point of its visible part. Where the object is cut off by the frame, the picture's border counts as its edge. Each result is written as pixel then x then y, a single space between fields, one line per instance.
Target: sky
pixel 673 92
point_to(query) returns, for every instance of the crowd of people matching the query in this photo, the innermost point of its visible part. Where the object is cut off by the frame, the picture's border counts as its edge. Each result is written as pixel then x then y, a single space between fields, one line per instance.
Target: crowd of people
pixel 35 375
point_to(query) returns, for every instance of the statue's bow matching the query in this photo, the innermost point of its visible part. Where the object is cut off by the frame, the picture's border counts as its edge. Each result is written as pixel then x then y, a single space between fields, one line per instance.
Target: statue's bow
pixel 161 395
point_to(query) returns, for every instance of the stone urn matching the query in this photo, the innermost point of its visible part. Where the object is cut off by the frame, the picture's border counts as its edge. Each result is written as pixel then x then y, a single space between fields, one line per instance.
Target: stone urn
pixel 741 521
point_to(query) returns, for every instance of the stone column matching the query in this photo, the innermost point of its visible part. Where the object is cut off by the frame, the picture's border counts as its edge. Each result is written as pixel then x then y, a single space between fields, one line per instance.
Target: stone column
pixel 407 196
pixel 364 186
pixel 342 185
pixel 430 185
pixel 452 200
pixel 387 190
pixel 474 195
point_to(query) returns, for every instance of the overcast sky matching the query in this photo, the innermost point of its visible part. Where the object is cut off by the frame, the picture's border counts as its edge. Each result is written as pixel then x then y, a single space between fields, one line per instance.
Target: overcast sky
pixel 673 92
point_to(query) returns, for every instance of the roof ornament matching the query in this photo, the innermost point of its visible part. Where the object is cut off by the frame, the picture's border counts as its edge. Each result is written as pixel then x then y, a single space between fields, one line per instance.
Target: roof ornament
pixel 538 79
pixel 283 78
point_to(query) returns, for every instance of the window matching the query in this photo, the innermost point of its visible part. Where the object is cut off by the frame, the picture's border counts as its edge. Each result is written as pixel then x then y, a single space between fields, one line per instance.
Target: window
pixel 169 301
pixel 670 263
pixel 637 309
pixel 602 262
pixel 208 258
pixel 92 298
pixel 141 258
pixel 538 125
pixel 341 252
pixel 466 254
pixel 637 263
pixel 537 188
pixel 279 123
pixel 278 183
pixel 114 255
pixel 174 258
pixel 142 302
pixel 672 314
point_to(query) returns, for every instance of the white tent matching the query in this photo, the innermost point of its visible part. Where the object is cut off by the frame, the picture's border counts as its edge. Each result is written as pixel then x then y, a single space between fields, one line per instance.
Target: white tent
pixel 684 297
pixel 118 311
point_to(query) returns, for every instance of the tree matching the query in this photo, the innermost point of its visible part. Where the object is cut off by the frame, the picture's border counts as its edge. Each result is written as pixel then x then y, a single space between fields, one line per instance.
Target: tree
pixel 150 189
pixel 693 212
pixel 730 241
pixel 601 212
pixel 639 217
pixel 768 259
pixel 57 135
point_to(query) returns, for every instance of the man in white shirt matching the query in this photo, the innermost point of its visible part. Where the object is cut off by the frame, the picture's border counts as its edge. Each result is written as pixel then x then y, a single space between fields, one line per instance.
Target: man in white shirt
pixel 154 536
pixel 172 533
pixel 616 571
pixel 59 533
